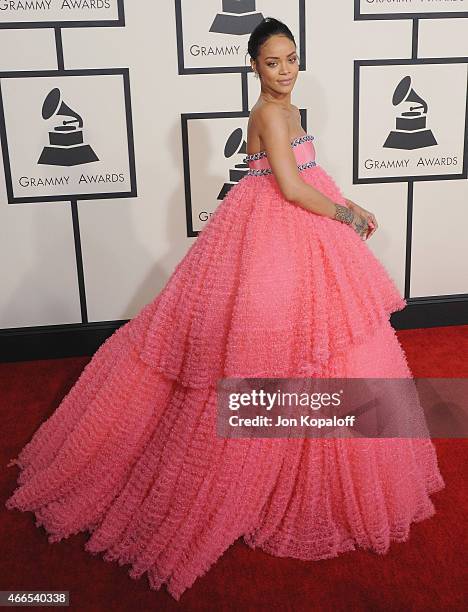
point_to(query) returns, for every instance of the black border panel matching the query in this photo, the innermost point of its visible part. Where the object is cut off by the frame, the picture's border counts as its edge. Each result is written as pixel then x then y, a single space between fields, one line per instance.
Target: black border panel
pixel 75 340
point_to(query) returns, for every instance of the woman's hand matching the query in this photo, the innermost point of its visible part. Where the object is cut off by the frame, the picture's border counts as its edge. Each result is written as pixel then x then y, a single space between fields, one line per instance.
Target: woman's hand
pixel 360 225
pixel 345 214
pixel 368 216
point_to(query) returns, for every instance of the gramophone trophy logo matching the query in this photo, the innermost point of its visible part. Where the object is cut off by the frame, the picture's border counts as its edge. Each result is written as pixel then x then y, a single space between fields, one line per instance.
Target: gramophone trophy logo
pixel 410 126
pixel 59 140
pixel 209 177
pixel 216 40
pixel 235 146
pixel 237 17
pixel 410 120
pixel 66 146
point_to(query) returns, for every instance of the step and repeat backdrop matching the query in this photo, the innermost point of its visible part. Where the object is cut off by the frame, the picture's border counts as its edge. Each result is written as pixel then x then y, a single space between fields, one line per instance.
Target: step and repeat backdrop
pixel 123 126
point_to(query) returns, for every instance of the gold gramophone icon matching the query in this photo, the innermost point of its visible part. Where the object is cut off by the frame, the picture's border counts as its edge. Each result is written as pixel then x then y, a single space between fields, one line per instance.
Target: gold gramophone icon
pixel 66 146
pixel 235 145
pixel 411 132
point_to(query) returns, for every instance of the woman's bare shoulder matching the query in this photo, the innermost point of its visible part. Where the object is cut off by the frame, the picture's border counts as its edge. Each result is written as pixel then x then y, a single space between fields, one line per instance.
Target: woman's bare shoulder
pixel 266 113
pixel 261 119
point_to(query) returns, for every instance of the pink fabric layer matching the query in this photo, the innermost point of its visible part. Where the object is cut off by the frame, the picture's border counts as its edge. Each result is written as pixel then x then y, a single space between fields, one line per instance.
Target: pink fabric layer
pixel 265 272
pixel 131 453
pixel 303 153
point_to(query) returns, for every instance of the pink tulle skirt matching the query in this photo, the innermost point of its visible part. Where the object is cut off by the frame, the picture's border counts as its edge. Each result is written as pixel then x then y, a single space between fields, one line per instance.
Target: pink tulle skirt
pixel 131 454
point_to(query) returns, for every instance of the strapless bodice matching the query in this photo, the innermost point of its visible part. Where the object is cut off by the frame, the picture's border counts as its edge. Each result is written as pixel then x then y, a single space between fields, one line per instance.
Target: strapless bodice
pixel 303 149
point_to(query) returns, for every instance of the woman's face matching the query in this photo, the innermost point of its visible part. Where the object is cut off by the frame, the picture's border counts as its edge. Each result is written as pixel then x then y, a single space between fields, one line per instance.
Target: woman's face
pixel 278 64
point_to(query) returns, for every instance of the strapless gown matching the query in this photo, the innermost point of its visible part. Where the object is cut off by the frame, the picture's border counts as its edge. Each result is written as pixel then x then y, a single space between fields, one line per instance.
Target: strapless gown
pixel 131 455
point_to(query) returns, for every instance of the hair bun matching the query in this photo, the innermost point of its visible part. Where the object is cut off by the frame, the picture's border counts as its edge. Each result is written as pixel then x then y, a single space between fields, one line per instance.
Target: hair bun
pixel 269 26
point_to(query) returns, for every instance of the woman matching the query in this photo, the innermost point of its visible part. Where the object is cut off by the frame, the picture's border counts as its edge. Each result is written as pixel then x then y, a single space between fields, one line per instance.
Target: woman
pixel 279 283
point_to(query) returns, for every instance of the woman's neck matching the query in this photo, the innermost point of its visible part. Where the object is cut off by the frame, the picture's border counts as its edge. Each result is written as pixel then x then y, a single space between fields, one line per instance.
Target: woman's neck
pixel 283 101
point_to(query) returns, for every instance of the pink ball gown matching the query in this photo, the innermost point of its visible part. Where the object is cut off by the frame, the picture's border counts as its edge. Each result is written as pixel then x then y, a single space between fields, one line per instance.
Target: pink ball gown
pixel 131 454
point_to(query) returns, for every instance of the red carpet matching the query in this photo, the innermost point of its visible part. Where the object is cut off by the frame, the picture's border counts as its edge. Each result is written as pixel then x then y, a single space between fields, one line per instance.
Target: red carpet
pixel 425 573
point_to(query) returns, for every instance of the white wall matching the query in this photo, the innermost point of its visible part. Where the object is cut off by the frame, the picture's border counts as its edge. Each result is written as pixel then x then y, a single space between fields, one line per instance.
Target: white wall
pixel 131 245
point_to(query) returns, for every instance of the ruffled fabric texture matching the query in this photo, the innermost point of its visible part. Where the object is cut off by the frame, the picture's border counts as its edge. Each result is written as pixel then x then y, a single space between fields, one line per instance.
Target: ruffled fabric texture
pixel 267 289
pixel 132 456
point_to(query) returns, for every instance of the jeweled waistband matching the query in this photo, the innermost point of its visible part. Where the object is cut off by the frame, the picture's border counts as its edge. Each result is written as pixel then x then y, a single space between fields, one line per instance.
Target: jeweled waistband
pixel 261 154
pixel 263 171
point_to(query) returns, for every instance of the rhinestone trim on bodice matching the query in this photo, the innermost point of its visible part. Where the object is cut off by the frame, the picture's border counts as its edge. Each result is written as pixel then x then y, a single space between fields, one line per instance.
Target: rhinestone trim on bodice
pixel 264 171
pixel 261 154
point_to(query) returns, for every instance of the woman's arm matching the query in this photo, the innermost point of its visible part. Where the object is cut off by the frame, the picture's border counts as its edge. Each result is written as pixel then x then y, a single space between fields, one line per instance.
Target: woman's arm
pixel 274 132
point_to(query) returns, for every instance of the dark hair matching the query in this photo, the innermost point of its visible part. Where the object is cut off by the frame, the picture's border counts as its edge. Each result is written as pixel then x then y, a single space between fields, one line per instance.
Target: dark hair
pixel 266 28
